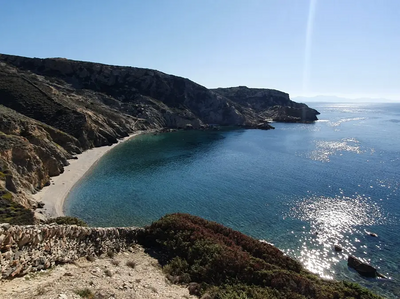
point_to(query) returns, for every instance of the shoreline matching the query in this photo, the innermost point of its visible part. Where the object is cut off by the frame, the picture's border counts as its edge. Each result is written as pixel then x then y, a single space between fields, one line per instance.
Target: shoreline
pixel 54 195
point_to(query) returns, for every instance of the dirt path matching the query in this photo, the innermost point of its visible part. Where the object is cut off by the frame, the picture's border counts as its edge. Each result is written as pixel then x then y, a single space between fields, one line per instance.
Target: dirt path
pixel 126 275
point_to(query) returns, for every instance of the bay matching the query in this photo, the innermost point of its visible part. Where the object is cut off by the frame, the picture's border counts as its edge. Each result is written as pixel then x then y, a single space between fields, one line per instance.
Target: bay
pixel 302 187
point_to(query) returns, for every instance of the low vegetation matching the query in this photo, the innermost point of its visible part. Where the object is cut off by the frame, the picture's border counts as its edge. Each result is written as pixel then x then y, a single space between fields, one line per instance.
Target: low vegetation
pixel 229 264
pixel 12 212
pixel 85 293
pixel 131 264
pixel 67 220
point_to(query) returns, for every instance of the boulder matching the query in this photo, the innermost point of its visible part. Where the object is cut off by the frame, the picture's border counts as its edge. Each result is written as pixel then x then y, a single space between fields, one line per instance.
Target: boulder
pixel 194 288
pixel 362 268
pixel 338 248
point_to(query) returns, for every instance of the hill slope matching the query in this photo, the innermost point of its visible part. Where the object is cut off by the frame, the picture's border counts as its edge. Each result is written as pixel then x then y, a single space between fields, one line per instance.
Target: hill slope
pixel 51 109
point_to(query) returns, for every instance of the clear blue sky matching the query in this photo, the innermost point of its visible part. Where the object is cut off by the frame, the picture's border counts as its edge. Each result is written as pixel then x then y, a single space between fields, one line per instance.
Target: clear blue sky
pixel 304 47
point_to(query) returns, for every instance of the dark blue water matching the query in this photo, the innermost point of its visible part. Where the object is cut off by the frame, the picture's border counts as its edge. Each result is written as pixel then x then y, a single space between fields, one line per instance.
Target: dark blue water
pixel 302 187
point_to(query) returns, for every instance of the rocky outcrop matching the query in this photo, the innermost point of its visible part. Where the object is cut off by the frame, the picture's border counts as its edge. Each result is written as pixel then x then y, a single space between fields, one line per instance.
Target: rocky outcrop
pixel 31 248
pixel 362 268
pixel 31 152
pixel 160 99
pixel 269 104
pixel 75 112
pixel 51 109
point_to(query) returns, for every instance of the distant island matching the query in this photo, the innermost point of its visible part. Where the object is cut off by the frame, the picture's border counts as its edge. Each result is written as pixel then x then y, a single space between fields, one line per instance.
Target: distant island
pixel 52 109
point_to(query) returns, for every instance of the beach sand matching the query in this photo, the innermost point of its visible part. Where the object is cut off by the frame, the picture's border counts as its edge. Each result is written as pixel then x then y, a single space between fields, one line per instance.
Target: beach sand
pixel 53 196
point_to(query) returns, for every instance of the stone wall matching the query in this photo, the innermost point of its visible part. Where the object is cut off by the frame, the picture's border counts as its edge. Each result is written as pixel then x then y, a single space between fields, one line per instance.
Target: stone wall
pixel 31 248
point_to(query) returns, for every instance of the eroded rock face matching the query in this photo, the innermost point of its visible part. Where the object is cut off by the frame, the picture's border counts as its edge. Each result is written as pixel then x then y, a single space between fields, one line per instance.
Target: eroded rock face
pixel 31 152
pixel 161 99
pixel 269 104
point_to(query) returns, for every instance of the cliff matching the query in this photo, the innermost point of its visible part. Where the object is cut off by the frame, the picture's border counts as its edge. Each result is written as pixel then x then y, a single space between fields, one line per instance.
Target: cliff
pixel 269 104
pixel 51 109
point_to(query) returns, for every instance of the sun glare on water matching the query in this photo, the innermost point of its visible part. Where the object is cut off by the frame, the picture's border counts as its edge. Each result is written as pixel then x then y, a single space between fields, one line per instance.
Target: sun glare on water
pixel 332 221
pixel 325 149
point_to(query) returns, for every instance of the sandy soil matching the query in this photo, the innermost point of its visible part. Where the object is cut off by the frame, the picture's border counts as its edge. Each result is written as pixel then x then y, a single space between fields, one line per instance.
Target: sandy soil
pixel 103 278
pixel 53 196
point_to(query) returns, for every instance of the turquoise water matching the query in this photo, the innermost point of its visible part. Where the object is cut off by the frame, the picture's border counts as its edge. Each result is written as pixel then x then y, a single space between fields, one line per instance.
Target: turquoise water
pixel 302 187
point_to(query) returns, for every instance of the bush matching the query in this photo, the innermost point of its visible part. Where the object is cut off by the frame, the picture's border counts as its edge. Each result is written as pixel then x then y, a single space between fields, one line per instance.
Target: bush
pixel 85 293
pixel 67 220
pixel 12 212
pixel 229 264
pixel 131 264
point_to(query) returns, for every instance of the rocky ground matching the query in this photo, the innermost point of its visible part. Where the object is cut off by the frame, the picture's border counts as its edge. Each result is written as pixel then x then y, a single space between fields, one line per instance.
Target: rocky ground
pixel 132 274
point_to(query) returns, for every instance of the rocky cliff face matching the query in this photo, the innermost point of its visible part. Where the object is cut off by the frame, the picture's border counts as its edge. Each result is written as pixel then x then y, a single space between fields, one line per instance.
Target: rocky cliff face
pixel 269 104
pixel 30 152
pixel 51 109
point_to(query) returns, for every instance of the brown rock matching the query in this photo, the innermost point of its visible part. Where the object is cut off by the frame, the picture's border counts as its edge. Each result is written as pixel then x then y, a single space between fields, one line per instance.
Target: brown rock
pixel 17 271
pixel 338 248
pixel 194 288
pixel 362 268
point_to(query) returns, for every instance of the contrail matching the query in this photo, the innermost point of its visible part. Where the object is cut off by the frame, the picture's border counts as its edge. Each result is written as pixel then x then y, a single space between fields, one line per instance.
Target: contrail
pixel 307 50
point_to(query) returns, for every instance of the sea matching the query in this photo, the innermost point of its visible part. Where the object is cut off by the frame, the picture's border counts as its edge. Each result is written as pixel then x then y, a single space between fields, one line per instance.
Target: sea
pixel 302 187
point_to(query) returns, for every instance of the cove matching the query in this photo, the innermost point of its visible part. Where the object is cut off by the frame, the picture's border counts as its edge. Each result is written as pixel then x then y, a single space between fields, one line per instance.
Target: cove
pixel 302 187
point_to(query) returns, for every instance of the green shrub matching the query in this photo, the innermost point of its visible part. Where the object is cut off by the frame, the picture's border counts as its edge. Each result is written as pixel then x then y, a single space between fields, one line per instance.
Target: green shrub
pixel 229 264
pixel 67 220
pixel 12 212
pixel 7 196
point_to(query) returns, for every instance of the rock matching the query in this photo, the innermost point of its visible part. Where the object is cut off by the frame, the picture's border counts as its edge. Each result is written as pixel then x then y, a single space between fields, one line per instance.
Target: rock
pixel 90 258
pixel 194 288
pixel 5 226
pixel 372 234
pixel 362 268
pixel 17 271
pixel 24 240
pixel 338 248
pixel 264 126
pixel 8 240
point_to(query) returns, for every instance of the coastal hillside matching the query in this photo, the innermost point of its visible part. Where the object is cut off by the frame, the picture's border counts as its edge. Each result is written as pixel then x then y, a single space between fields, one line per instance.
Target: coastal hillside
pixel 269 104
pixel 52 109
pixel 208 259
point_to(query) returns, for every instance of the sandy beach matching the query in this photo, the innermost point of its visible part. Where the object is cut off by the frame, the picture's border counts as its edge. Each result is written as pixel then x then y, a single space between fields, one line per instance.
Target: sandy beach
pixel 53 196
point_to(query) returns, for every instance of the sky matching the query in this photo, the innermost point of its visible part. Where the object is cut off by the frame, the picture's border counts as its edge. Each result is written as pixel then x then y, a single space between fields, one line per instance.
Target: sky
pixel 348 48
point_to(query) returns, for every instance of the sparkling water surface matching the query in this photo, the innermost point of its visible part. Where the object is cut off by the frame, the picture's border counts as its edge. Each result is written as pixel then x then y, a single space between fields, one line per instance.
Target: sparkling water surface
pixel 302 187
